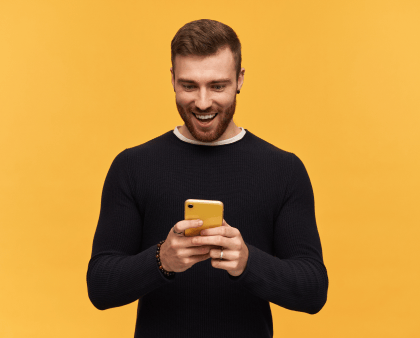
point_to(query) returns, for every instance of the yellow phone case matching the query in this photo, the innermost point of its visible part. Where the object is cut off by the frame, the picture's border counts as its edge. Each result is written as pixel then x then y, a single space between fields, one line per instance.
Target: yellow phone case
pixel 210 212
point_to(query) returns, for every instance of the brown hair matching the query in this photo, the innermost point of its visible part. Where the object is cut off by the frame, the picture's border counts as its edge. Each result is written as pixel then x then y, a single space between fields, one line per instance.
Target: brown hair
pixel 205 37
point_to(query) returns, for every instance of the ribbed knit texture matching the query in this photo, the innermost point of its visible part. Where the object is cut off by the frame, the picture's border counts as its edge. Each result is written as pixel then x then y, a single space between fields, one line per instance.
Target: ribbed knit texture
pixel 267 196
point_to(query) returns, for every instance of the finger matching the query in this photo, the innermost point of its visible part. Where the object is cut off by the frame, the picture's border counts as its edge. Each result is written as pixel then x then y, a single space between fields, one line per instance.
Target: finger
pixel 195 251
pixel 226 231
pixel 227 254
pixel 201 258
pixel 223 264
pixel 214 240
pixel 186 224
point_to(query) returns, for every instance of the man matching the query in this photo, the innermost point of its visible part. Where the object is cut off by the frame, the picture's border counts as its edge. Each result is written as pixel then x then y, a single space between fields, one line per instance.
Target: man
pixel 218 284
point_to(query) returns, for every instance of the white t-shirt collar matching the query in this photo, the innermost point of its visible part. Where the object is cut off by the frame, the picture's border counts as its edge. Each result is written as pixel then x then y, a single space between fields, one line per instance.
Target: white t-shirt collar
pixel 215 143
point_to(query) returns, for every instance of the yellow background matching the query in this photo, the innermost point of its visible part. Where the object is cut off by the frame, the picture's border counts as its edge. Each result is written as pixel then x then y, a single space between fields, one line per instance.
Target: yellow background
pixel 336 82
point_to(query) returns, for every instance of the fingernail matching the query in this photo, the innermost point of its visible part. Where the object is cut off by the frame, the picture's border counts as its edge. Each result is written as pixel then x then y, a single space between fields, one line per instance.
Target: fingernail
pixel 200 222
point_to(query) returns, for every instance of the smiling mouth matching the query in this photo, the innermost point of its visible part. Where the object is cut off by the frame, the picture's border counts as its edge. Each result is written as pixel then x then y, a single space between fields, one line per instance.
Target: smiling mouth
pixel 205 120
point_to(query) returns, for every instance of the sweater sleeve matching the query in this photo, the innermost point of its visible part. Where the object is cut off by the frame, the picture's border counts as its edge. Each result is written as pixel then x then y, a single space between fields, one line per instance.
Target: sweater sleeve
pixel 295 277
pixel 118 273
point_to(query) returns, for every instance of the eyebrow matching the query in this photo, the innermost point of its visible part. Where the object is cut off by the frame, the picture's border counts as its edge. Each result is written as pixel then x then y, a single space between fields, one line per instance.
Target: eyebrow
pixel 212 82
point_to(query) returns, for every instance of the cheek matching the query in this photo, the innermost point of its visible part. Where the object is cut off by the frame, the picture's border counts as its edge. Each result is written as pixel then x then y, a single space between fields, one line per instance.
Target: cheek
pixel 184 99
pixel 225 99
pixel 221 101
pixel 225 104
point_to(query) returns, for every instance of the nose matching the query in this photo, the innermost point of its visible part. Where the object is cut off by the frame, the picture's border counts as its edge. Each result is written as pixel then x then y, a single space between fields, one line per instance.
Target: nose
pixel 203 101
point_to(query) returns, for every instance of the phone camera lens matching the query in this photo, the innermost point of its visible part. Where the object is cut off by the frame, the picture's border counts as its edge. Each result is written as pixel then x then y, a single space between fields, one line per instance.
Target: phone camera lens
pixel 190 205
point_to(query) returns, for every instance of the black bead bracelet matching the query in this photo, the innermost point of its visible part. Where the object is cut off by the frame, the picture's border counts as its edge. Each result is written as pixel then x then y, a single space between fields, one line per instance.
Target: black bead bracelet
pixel 166 273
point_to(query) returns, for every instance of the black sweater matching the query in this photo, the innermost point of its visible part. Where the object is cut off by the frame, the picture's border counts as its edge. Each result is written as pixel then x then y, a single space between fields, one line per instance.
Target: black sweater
pixel 267 196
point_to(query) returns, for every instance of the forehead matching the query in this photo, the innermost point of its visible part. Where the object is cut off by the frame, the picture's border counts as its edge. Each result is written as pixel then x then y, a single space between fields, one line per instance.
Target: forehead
pixel 205 68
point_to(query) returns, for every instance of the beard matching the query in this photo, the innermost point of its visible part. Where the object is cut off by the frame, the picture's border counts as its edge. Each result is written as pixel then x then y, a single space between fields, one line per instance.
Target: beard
pixel 224 118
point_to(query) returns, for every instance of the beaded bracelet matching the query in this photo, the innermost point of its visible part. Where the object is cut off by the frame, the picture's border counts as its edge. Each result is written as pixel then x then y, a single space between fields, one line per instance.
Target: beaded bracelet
pixel 166 273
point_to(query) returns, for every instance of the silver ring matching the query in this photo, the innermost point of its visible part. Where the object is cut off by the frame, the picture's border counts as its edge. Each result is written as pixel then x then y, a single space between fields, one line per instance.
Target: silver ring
pixel 178 233
pixel 221 254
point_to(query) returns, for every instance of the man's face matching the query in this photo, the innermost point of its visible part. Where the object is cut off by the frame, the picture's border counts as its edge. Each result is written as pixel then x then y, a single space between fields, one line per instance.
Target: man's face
pixel 206 86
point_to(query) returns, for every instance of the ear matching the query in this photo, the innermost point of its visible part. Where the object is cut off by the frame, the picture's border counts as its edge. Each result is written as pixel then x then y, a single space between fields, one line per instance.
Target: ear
pixel 172 78
pixel 241 78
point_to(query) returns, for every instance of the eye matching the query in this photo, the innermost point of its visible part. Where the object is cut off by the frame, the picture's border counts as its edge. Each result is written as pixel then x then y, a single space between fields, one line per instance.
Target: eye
pixel 188 87
pixel 219 87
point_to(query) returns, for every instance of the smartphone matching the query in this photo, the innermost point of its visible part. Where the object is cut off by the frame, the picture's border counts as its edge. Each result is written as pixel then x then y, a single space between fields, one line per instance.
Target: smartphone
pixel 210 212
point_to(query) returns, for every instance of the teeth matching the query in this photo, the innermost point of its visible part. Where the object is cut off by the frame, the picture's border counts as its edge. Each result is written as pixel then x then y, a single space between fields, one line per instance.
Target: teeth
pixel 204 117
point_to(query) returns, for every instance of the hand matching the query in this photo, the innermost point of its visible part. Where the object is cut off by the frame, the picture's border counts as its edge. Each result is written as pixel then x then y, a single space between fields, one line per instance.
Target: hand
pixel 235 251
pixel 178 253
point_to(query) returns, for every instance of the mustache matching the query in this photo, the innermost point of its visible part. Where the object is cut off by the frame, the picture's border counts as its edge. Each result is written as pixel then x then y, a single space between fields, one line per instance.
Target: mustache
pixel 207 111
